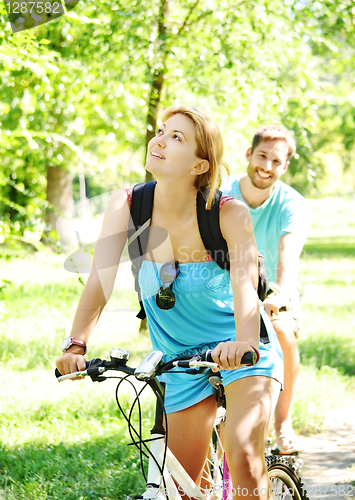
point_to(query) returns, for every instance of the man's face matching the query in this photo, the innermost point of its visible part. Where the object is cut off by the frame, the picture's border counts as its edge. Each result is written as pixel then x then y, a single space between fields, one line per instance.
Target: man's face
pixel 267 163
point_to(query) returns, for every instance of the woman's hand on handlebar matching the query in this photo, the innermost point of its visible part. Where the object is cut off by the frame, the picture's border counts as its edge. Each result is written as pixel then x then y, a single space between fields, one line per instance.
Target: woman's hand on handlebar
pixel 229 354
pixel 71 361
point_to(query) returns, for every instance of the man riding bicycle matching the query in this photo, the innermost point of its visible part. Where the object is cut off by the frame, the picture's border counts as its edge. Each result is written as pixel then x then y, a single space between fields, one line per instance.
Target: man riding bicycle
pixel 280 220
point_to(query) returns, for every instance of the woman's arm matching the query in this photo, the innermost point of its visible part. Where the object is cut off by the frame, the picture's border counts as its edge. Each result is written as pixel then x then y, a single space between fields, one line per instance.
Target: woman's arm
pixel 101 281
pixel 237 230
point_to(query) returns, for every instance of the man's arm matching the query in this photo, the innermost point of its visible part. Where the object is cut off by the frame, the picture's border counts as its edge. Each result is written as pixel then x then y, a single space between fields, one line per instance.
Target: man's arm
pixel 289 250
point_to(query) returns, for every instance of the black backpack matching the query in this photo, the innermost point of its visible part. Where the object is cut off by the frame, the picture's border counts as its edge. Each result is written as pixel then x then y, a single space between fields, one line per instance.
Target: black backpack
pixel 210 231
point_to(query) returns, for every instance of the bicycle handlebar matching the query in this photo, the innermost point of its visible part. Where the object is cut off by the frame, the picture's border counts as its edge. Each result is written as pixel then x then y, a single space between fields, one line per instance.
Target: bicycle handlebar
pixel 150 367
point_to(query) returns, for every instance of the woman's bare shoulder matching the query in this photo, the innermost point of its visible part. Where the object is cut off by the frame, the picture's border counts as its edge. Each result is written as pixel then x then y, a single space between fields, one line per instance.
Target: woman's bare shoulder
pixel 234 209
pixel 235 215
pixel 117 211
pixel 119 198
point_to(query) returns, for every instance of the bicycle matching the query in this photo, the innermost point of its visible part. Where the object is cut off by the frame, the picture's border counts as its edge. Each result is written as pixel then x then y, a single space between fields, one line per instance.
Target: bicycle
pixel 166 478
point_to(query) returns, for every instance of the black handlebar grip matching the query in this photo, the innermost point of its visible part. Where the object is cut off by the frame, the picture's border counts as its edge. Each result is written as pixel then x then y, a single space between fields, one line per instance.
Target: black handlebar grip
pixel 249 358
pixel 207 355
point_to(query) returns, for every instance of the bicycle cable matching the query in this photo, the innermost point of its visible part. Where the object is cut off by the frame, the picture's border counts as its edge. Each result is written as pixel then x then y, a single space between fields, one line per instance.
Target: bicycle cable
pixel 137 436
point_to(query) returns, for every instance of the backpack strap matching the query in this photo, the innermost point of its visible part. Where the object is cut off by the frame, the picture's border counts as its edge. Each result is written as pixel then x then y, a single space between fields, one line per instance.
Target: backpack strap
pixel 216 245
pixel 210 230
pixel 138 230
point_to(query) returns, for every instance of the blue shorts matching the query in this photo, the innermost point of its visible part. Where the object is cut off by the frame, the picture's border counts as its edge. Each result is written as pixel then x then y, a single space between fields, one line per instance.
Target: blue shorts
pixel 184 390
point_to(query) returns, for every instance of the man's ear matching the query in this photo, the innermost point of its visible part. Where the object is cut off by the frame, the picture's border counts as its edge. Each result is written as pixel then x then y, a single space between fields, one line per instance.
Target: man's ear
pixel 202 167
pixel 248 154
pixel 286 166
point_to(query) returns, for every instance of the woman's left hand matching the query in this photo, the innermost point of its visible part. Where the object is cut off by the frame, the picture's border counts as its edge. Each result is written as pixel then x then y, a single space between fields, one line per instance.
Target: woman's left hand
pixel 229 354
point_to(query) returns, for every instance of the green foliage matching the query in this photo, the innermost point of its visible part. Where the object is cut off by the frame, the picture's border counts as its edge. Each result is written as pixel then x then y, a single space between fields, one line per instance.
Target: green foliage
pixel 77 93
pixel 22 187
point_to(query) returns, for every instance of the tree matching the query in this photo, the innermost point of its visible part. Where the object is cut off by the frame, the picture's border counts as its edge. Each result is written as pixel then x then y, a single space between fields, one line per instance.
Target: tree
pixel 83 92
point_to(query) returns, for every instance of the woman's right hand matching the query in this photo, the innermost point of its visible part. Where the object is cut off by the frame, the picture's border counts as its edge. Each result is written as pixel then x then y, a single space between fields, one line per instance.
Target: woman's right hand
pixel 71 361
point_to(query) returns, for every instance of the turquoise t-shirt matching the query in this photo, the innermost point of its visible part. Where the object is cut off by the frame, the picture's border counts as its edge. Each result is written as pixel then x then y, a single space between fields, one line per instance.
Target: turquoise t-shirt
pixel 285 211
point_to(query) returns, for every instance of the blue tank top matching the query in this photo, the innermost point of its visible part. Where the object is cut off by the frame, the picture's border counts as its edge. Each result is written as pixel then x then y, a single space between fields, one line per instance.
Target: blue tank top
pixel 203 314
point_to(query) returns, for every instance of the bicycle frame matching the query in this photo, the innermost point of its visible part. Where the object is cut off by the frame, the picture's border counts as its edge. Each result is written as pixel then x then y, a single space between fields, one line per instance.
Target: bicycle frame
pixel 173 470
pixel 167 479
pixel 174 481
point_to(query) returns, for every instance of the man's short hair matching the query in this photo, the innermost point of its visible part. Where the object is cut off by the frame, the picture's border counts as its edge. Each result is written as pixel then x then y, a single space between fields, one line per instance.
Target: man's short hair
pixel 275 133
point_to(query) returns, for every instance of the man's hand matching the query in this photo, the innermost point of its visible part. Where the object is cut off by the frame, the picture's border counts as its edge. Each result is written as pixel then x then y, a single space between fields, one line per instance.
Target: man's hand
pixel 273 303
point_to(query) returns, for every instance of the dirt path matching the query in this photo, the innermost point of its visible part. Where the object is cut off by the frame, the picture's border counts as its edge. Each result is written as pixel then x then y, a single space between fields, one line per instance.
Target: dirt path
pixel 329 458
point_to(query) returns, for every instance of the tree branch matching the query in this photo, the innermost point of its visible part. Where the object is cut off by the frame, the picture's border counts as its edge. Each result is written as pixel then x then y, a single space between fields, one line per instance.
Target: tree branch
pixel 184 24
pixel 204 14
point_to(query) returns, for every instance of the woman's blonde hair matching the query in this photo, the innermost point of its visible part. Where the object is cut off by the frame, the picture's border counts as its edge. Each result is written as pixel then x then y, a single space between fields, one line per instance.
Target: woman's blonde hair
pixel 209 147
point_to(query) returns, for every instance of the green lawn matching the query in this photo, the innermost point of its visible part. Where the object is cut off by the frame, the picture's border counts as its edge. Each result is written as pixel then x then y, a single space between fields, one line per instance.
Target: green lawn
pixel 327 342
pixel 67 441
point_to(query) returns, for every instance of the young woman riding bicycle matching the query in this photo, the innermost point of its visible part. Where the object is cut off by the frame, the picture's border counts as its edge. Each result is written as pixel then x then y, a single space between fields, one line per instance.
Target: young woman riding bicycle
pixel 209 307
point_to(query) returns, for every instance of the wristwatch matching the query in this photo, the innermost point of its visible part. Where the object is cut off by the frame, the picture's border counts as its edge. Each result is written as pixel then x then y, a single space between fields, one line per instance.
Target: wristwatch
pixel 69 341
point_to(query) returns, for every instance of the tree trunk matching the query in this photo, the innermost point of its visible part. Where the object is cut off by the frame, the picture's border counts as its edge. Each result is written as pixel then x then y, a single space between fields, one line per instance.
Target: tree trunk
pixel 61 203
pixel 157 82
pixel 153 110
pixel 155 94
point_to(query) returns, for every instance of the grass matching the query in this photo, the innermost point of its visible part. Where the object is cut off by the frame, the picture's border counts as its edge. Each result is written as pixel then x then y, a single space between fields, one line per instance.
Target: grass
pixel 99 470
pixel 64 441
pixel 329 247
pixel 326 343
pixel 68 441
pixel 318 391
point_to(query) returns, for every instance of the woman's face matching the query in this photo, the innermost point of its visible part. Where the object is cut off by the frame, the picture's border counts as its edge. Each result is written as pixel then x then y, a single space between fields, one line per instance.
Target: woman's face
pixel 173 149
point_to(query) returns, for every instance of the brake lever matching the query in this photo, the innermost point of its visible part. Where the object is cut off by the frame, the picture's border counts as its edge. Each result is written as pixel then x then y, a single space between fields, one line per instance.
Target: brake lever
pixel 196 371
pixel 95 373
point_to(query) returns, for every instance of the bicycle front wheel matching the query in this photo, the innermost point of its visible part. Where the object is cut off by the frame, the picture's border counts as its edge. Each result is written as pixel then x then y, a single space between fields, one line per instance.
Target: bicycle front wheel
pixel 286 484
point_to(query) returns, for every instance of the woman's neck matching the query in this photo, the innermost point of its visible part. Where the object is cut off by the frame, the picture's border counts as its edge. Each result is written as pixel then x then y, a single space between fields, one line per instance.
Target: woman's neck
pixel 175 199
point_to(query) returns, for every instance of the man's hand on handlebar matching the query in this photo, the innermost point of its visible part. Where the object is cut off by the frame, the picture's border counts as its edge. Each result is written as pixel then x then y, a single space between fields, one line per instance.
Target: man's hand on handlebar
pixel 272 305
pixel 71 361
